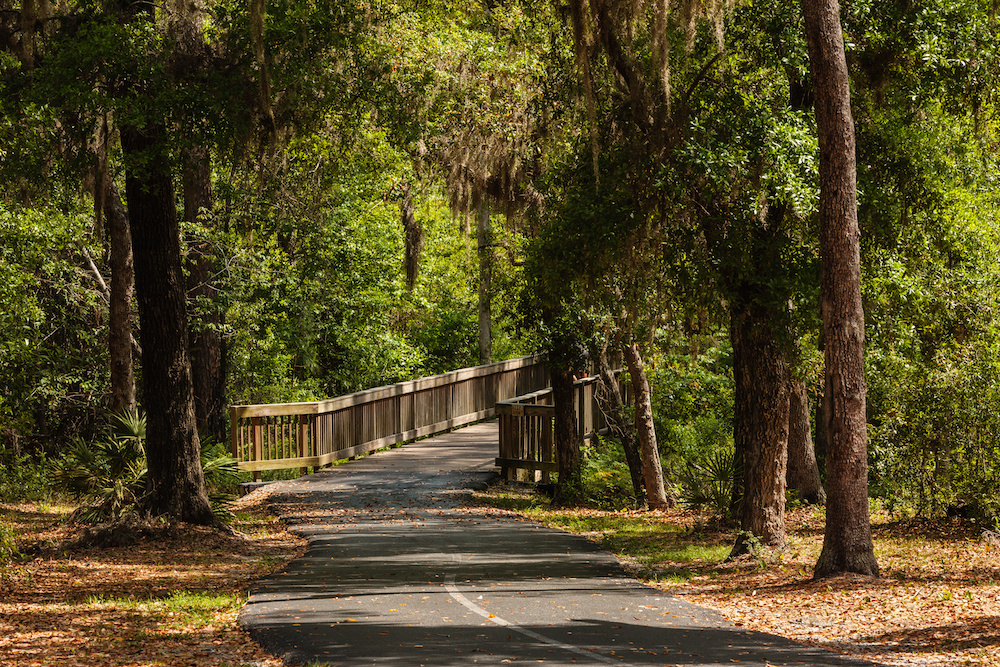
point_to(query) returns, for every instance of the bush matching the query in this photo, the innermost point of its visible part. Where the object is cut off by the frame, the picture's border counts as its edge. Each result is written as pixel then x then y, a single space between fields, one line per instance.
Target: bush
pixel 109 475
pixel 25 478
pixel 933 364
pixel 709 485
pixel 605 476
pixel 693 413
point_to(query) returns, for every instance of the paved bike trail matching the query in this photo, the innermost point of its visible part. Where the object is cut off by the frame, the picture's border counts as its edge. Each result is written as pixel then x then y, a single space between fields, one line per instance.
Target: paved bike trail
pixel 397 573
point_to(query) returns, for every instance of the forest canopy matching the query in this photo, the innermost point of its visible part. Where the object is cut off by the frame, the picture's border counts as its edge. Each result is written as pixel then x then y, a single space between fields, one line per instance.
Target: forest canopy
pixel 320 197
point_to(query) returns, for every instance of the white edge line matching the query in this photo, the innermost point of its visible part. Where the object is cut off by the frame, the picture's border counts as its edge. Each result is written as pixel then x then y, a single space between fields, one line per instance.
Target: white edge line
pixel 496 620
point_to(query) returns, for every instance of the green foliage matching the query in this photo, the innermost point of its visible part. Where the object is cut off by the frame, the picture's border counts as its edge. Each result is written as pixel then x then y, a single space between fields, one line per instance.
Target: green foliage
pixel 8 545
pixel 51 329
pixel 709 485
pixel 110 474
pixel 934 364
pixel 605 478
pixel 321 309
pixel 25 477
pixel 692 395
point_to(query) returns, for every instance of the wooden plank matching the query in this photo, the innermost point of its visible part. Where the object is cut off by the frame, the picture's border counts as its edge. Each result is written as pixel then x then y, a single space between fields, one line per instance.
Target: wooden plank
pixel 234 435
pixel 526 464
pixel 548 454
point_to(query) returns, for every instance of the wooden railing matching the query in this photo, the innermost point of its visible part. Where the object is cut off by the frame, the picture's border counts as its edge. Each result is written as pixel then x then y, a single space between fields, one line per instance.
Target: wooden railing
pixel 526 427
pixel 298 435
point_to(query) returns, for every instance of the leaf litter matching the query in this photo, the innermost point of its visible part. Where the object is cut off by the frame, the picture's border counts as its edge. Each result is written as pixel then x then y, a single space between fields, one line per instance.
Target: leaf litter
pixel 936 601
pixel 169 600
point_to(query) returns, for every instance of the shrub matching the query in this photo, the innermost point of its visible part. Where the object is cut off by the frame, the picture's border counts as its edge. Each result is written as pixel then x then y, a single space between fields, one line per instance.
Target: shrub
pixel 605 475
pixel 110 475
pixel 25 477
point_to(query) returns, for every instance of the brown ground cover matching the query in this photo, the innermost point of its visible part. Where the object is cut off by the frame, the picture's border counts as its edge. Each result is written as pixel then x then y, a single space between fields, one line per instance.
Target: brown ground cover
pixel 170 600
pixel 174 600
pixel 936 601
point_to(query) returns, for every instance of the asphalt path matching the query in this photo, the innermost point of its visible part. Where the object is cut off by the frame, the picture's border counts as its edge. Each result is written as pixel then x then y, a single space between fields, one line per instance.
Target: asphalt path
pixel 397 573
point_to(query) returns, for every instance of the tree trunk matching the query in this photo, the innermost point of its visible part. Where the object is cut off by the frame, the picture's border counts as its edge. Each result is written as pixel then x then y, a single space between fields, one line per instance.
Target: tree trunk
pixel 819 444
pixel 176 484
pixel 802 475
pixel 185 27
pixel 847 543
pixel 485 284
pixel 761 425
pixel 656 493
pixel 413 236
pixel 120 301
pixel 614 415
pixel 208 371
pixel 567 436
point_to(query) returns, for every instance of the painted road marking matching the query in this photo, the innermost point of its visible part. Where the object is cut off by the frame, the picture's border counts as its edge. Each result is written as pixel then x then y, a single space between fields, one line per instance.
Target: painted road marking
pixel 496 620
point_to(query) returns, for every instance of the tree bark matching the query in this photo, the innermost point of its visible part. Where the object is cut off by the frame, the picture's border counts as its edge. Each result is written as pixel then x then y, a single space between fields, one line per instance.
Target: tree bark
pixel 176 484
pixel 185 21
pixel 614 415
pixel 120 301
pixel 761 425
pixel 656 493
pixel 413 236
pixel 485 283
pixel 847 543
pixel 208 368
pixel 567 436
pixel 802 475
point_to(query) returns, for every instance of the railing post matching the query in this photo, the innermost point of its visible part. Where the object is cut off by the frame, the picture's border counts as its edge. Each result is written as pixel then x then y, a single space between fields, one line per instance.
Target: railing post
pixel 234 434
pixel 303 438
pixel 548 455
pixel 256 440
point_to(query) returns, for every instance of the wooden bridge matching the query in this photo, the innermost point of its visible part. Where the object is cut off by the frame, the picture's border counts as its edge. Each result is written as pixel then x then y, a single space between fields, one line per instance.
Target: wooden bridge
pixel 319 433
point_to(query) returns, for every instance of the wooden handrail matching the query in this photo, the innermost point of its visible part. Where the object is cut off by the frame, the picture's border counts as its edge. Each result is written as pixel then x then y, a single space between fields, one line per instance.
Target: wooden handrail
pixel 526 423
pixel 298 435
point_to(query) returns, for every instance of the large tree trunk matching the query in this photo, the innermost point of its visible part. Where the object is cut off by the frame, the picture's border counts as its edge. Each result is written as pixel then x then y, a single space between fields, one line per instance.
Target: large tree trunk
pixel 761 425
pixel 567 436
pixel 120 302
pixel 614 415
pixel 208 369
pixel 176 484
pixel 802 475
pixel 656 493
pixel 847 543
pixel 485 284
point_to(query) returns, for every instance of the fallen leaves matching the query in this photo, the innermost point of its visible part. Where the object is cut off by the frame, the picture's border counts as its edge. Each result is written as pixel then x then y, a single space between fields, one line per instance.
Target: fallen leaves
pixel 937 601
pixel 173 601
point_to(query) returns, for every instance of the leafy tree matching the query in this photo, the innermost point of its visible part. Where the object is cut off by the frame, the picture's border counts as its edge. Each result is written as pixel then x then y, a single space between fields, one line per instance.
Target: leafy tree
pixel 50 330
pixel 847 543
